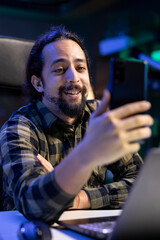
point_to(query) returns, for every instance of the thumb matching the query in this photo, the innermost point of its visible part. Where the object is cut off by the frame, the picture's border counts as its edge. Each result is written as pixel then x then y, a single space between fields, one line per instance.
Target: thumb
pixel 104 104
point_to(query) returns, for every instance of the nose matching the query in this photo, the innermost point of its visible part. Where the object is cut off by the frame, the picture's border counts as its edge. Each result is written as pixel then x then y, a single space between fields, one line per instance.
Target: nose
pixel 72 75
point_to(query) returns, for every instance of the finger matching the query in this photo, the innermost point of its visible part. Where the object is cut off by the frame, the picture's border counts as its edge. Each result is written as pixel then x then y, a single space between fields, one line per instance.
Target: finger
pixel 43 163
pixel 138 134
pixel 133 147
pixel 131 109
pixel 136 121
pixel 103 107
pixel 47 165
pixel 41 159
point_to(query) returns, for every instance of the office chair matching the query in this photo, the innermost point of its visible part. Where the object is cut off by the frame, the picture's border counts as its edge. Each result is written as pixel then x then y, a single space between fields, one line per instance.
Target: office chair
pixel 13 57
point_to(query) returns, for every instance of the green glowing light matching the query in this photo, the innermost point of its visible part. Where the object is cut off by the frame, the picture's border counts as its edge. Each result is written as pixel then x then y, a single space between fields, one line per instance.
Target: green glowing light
pixel 155 55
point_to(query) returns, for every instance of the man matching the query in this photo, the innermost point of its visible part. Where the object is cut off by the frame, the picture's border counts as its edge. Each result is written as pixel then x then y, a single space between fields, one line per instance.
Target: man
pixel 81 145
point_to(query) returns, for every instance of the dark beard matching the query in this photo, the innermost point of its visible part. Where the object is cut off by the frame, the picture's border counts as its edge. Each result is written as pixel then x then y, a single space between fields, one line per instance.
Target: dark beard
pixel 70 110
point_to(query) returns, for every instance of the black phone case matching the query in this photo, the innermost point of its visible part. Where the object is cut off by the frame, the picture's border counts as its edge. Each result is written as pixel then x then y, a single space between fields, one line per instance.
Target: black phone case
pixel 128 81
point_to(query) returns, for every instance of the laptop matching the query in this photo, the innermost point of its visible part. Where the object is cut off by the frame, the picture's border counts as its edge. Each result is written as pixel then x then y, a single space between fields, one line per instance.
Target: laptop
pixel 140 218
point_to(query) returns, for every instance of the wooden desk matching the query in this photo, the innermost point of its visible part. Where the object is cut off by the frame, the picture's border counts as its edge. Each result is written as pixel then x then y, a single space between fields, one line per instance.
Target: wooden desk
pixel 11 221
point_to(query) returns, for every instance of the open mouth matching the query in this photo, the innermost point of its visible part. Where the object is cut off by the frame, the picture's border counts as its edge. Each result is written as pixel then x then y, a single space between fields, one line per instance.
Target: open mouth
pixel 72 92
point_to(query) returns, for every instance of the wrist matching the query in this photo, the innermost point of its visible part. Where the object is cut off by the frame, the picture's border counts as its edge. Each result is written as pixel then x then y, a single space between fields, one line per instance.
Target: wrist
pixel 78 201
pixel 84 201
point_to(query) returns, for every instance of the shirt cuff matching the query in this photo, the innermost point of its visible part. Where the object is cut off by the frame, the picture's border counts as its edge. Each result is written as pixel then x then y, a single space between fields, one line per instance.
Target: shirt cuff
pixel 99 197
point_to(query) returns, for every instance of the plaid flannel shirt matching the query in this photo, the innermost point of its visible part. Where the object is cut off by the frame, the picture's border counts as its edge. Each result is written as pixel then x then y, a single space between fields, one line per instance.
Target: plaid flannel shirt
pixel 29 188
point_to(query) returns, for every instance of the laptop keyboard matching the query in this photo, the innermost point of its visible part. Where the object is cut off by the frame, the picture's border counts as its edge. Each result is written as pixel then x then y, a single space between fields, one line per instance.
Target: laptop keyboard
pixel 94 228
pixel 102 227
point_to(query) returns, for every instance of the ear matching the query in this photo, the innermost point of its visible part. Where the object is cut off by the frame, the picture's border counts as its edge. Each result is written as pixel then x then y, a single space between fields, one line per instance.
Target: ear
pixel 37 83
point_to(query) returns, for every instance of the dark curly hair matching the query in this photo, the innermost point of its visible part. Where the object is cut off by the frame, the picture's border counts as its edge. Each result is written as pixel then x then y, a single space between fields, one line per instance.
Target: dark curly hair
pixel 35 60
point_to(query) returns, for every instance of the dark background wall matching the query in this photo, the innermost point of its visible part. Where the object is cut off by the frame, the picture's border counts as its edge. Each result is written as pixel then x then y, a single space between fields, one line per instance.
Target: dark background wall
pixel 93 20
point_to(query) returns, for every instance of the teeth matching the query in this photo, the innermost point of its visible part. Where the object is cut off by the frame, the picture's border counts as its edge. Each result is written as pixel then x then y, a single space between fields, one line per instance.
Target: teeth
pixel 73 93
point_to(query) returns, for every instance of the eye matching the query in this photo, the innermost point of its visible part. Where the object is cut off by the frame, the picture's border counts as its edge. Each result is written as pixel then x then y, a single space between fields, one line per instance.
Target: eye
pixel 81 68
pixel 59 70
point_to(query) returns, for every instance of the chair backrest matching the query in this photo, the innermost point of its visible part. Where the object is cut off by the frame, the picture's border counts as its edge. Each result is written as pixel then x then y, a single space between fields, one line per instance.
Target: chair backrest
pixel 13 57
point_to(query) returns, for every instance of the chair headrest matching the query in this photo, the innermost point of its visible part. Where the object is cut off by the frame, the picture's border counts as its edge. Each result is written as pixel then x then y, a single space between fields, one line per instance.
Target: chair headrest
pixel 13 57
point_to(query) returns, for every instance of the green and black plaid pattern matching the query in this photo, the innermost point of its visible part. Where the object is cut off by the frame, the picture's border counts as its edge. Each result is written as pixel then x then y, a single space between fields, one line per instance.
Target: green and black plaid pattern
pixel 29 188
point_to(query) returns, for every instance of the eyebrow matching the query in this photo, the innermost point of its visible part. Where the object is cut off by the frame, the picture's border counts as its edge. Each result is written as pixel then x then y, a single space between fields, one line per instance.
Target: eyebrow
pixel 64 60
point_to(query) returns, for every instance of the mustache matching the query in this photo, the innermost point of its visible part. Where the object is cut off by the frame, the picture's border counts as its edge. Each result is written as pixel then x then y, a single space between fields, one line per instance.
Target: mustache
pixel 62 89
pixel 70 87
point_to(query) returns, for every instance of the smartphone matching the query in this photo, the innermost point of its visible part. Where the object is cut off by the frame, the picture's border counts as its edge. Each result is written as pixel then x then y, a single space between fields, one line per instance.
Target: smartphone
pixel 128 81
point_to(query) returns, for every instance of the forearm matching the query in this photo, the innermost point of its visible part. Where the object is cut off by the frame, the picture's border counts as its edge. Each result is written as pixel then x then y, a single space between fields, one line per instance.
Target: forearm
pixel 81 201
pixel 113 195
pixel 74 171
pixel 43 199
pixel 34 192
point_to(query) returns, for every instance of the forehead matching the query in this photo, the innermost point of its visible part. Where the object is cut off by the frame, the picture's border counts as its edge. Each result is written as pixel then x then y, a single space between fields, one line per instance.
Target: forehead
pixel 65 48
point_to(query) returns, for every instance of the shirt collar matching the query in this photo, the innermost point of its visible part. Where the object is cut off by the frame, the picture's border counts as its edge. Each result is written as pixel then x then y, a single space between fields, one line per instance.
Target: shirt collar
pixel 48 118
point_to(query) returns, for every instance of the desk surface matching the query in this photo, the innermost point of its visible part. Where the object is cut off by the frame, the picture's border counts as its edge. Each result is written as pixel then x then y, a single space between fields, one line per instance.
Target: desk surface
pixel 11 221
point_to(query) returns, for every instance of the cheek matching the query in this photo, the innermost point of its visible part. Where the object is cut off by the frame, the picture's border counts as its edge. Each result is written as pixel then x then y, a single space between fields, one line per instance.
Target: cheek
pixel 86 80
pixel 52 88
pixel 87 84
